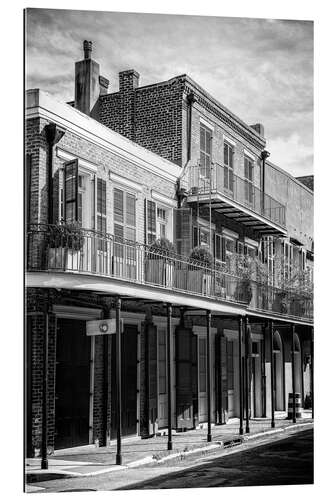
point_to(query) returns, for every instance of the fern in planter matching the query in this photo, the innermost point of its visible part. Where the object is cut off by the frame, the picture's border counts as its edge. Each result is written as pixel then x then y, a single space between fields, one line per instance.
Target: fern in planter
pixel 159 263
pixel 65 244
pixel 202 255
pixel 199 270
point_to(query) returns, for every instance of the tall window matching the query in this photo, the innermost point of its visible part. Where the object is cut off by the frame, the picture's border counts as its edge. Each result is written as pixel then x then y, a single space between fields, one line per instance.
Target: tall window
pixel 268 256
pixel 124 214
pixel 287 259
pixel 101 211
pixel 205 151
pixel 248 174
pixel 228 161
pixel 156 222
pixel 161 222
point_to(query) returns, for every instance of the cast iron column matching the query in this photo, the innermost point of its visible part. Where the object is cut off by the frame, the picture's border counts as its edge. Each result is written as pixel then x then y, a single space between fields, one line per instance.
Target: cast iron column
pixel 311 379
pixel 247 426
pixel 169 316
pixel 272 374
pixel 209 421
pixel 44 464
pixel 118 380
pixel 293 369
pixel 240 357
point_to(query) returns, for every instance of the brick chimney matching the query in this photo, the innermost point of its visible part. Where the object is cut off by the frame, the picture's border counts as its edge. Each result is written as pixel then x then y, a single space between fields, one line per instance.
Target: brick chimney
pixel 128 83
pixel 128 80
pixel 259 128
pixel 87 83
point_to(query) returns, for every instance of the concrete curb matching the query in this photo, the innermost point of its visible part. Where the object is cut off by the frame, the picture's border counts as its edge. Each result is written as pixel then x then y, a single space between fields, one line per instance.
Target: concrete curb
pixel 39 475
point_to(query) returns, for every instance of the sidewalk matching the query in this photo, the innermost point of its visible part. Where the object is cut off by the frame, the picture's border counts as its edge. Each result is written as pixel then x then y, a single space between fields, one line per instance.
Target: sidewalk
pixel 91 461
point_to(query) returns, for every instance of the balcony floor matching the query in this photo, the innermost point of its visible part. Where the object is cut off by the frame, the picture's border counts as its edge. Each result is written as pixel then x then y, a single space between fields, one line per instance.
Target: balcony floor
pixel 239 213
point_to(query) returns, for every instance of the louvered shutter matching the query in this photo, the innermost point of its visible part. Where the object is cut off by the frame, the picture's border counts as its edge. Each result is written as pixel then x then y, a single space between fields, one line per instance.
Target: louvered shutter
pixel 101 211
pixel 151 377
pixel 221 379
pixel 240 248
pixel 223 249
pixel 184 388
pixel 118 212
pixel 183 230
pixel 151 221
pixel 71 185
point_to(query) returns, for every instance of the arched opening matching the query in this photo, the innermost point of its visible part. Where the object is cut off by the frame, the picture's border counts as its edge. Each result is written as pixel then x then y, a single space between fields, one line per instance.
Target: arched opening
pixel 298 364
pixel 278 371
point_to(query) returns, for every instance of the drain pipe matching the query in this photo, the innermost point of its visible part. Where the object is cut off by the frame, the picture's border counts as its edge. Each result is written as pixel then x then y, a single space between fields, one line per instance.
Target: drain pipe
pixel 53 134
pixel 264 155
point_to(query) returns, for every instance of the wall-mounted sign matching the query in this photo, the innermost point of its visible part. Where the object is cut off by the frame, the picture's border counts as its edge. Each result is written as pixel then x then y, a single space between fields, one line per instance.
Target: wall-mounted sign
pixel 102 327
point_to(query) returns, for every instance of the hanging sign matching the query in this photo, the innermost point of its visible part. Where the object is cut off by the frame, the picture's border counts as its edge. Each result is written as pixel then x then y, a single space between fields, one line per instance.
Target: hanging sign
pixel 102 327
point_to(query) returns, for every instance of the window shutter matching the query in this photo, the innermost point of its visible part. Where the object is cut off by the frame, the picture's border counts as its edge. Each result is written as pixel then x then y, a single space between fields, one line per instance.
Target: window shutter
pixel 151 221
pixel 118 205
pixel 71 184
pixel 130 210
pixel 240 247
pixel 196 238
pixel 101 205
pixel 223 249
pixel 183 230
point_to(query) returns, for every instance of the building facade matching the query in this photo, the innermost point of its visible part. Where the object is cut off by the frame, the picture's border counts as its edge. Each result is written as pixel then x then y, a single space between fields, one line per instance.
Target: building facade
pixel 169 265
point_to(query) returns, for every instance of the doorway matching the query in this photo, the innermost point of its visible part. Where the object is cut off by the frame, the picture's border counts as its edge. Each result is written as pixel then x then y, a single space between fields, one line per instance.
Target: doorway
pixel 128 382
pixel 278 372
pixel 162 379
pixel 72 391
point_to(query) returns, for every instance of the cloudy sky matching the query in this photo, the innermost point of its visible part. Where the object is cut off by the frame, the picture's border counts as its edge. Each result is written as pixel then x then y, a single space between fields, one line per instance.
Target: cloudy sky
pixel 262 70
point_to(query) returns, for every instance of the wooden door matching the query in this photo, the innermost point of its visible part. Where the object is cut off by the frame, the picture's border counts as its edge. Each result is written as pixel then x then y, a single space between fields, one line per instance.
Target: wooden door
pixel 202 379
pixel 184 385
pixel 162 379
pixel 128 382
pixel 151 386
pixel 230 378
pixel 72 384
pixel 221 379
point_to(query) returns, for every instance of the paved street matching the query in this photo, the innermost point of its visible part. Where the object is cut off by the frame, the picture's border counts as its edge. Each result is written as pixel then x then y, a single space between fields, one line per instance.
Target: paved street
pixel 283 461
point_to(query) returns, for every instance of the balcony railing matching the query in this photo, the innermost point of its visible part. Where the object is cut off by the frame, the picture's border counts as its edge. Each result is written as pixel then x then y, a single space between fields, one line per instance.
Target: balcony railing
pixel 223 181
pixel 49 249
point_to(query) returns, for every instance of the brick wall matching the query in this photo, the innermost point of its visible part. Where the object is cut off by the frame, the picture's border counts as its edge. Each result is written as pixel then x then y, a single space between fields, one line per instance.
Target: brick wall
pixel 151 116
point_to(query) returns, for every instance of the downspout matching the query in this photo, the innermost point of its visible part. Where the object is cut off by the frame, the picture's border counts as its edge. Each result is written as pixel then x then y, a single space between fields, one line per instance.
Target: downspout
pixel 180 192
pixel 53 134
pixel 264 155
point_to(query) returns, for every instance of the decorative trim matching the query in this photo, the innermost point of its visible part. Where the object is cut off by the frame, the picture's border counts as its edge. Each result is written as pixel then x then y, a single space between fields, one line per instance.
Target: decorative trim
pixel 163 199
pixel 250 242
pixel 125 182
pixel 231 234
pixel 161 321
pixel 206 123
pixel 74 312
pixel 85 165
pixel 241 129
pixel 42 105
pixel 249 155
pixel 229 141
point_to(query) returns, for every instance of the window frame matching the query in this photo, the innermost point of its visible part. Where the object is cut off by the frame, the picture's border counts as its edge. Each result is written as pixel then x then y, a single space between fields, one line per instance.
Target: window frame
pixel 124 223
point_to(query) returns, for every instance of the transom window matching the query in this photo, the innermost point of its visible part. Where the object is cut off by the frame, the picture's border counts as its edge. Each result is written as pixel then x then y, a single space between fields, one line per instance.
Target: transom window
pixel 205 151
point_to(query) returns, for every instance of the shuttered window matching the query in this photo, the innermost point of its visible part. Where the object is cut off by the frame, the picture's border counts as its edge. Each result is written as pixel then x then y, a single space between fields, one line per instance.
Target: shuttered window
pixel 124 213
pixel 71 184
pixel 101 211
pixel 228 154
pixel 183 230
pixel 248 174
pixel 205 151
pixel 151 221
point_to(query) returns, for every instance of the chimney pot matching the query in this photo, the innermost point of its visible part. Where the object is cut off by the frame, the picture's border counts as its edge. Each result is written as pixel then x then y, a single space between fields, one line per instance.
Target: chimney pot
pixel 87 49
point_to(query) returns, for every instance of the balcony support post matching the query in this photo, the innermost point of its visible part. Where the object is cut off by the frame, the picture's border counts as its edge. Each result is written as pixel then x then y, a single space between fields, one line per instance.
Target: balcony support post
pixel 272 374
pixel 293 369
pixel 44 461
pixel 209 417
pixel 169 334
pixel 247 333
pixel 118 380
pixel 240 367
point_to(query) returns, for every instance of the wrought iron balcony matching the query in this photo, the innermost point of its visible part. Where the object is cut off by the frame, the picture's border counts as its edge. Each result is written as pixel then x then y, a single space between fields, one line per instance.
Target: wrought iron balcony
pixel 53 249
pixel 221 185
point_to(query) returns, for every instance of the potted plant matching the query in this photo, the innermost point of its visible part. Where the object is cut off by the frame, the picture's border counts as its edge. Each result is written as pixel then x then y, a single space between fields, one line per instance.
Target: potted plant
pixel 159 262
pixel 200 270
pixel 65 245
